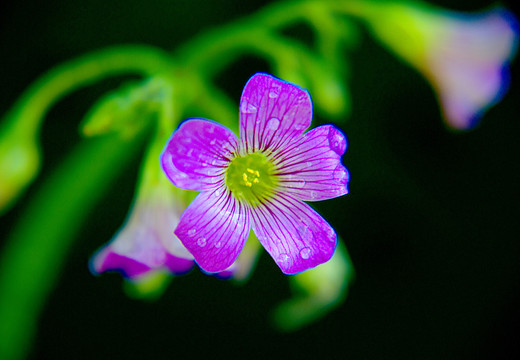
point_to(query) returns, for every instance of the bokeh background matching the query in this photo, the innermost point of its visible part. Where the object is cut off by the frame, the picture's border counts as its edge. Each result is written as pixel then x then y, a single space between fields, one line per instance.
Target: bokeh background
pixel 431 222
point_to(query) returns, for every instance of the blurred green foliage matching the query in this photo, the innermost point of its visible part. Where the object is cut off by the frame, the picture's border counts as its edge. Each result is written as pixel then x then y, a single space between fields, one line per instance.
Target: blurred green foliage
pixel 418 234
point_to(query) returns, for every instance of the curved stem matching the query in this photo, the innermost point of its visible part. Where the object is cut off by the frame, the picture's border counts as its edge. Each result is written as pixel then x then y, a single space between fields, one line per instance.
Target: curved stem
pixel 28 111
pixel 36 248
pixel 211 51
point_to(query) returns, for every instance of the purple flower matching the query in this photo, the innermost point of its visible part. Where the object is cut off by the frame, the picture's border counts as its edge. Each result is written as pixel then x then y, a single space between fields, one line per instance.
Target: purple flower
pixel 259 180
pixel 146 242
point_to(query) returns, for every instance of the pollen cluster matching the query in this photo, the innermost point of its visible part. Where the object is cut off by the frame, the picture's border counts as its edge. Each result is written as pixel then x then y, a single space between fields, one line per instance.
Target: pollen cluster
pixel 251 178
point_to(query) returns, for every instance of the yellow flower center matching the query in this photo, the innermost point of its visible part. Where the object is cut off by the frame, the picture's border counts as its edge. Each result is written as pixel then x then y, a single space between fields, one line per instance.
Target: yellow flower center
pixel 251 178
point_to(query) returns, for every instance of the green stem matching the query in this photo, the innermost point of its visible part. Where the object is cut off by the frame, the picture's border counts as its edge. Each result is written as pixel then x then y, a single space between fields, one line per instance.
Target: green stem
pixel 210 52
pixel 27 113
pixel 35 250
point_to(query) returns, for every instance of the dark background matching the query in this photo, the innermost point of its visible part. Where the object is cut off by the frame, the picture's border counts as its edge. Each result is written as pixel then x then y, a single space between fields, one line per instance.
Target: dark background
pixel 431 222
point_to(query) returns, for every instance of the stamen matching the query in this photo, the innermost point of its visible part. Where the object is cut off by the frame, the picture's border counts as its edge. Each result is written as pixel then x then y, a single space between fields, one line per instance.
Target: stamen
pixel 251 178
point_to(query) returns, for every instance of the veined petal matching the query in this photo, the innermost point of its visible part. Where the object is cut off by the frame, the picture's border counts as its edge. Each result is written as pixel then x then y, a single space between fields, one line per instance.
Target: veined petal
pixel 295 236
pixel 214 229
pixel 196 155
pixel 310 169
pixel 272 113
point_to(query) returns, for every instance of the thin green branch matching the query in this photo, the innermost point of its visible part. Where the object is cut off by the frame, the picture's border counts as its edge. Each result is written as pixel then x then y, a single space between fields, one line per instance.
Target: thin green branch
pixel 209 52
pixel 27 113
pixel 36 249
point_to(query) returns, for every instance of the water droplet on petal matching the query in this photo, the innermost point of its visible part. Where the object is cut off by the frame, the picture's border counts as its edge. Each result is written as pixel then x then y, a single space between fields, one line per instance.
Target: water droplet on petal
pixel 340 173
pixel 300 183
pixel 273 123
pixel 191 232
pixel 273 95
pixel 218 191
pixel 336 141
pixel 305 253
pixel 212 142
pixel 313 195
pixel 284 259
pixel 247 108
pixel 201 241
pixel 218 244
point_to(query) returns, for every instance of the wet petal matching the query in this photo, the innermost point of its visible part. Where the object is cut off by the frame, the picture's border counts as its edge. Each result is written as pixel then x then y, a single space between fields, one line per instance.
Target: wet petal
pixel 310 169
pixel 295 236
pixel 196 155
pixel 272 113
pixel 214 229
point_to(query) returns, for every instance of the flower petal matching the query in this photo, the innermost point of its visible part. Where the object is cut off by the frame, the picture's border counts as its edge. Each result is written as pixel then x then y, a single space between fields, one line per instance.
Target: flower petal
pixel 214 229
pixel 310 169
pixel 295 236
pixel 272 112
pixel 109 260
pixel 177 265
pixel 196 155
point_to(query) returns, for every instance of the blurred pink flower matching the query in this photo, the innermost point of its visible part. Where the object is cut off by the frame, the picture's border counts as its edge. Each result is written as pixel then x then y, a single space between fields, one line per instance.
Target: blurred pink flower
pixel 147 242
pixel 464 56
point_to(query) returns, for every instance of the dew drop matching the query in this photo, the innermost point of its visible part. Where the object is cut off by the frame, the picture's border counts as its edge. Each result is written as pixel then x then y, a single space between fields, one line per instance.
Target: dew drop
pixel 300 183
pixel 305 253
pixel 201 241
pixel 247 108
pixel 212 142
pixel 336 141
pixel 284 259
pixel 191 232
pixel 273 95
pixel 273 123
pixel 218 244
pixel 313 195
pixel 340 173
